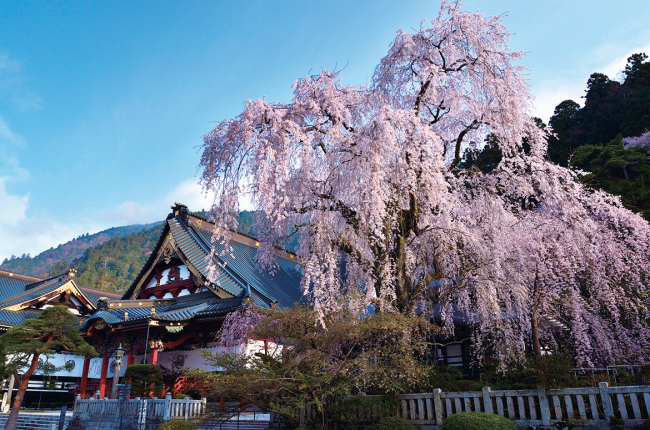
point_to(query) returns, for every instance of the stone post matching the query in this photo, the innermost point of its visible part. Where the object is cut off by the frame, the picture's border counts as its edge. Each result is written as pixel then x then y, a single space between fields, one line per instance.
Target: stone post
pixel 487 400
pixel 168 406
pixel 608 408
pixel 544 406
pixel 437 404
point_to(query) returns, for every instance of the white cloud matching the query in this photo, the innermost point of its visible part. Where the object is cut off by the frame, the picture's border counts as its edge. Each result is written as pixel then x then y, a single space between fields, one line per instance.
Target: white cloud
pixel 187 192
pixel 20 234
pixel 13 84
pixel 614 68
pixel 549 93
pixel 7 135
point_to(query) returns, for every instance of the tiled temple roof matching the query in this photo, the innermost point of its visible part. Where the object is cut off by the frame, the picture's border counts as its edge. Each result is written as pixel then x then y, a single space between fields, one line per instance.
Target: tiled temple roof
pixel 38 289
pixel 94 295
pixel 12 284
pixel 173 310
pixel 16 289
pixel 238 275
pixel 197 251
pixel 10 318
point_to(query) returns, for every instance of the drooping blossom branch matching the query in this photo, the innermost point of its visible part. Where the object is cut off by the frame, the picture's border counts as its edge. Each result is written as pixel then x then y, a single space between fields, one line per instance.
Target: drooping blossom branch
pixel 369 179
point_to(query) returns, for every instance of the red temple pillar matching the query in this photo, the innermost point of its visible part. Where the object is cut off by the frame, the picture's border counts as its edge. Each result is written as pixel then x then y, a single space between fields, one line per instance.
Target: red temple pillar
pixel 130 359
pixel 84 378
pixel 102 379
pixel 154 356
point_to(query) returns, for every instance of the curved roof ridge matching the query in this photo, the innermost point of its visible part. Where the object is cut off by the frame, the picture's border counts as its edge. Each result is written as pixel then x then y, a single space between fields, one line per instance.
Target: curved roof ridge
pixel 19 276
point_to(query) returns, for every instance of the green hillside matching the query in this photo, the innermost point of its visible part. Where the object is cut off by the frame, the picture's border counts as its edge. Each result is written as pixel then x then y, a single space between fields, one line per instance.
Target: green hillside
pixel 113 265
pixel 590 137
pixel 611 108
pixel 43 264
pixel 109 260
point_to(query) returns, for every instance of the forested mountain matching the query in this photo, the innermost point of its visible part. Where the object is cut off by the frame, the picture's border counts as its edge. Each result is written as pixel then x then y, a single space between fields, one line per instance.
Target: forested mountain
pixel 109 260
pixel 42 264
pixel 598 138
pixel 593 138
pixel 114 264
pixel 611 108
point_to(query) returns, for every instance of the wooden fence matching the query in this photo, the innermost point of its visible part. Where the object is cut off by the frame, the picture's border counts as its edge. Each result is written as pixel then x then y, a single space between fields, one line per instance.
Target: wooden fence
pixel 141 409
pixel 540 407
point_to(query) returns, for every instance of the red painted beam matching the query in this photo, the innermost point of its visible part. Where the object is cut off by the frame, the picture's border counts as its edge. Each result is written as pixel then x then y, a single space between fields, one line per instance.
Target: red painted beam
pixel 102 379
pixel 84 378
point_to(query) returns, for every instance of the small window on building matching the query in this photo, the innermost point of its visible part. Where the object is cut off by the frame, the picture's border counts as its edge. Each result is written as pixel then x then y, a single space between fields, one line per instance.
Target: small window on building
pixel 454 355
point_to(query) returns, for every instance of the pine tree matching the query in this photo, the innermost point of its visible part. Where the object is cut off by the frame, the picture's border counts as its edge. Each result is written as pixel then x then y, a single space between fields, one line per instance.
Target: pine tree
pixel 54 330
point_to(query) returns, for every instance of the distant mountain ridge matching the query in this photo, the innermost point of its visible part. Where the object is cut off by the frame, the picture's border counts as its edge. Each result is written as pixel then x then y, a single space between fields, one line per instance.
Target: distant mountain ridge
pixel 109 260
pixel 42 264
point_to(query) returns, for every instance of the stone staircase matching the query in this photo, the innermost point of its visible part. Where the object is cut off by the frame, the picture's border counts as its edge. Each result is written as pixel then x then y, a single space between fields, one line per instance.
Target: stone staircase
pixel 31 421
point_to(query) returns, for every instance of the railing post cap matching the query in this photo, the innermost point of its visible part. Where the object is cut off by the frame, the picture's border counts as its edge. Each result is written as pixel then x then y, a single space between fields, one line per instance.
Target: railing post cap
pixel 486 389
pixel 603 385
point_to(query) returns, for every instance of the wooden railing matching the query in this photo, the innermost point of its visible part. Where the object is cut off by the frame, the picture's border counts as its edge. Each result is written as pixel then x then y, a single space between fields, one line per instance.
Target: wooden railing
pixel 540 407
pixel 164 409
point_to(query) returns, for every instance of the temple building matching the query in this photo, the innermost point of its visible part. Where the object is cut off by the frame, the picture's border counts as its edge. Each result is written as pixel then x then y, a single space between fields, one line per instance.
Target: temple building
pixel 23 297
pixel 171 311
pixel 172 308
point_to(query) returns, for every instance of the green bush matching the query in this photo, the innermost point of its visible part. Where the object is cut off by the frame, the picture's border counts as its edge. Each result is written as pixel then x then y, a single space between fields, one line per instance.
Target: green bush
pixel 646 425
pixel 616 423
pixel 393 423
pixel 180 396
pixel 346 412
pixel 178 425
pixel 477 421
pixel 450 378
pixel 551 371
pixel 144 379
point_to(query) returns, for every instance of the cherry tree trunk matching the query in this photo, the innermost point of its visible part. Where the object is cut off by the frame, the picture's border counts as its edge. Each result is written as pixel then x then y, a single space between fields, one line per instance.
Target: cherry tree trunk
pixel 12 422
pixel 537 350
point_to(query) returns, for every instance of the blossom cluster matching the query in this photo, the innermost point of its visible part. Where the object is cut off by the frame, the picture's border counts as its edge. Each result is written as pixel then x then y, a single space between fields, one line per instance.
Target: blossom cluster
pixel 370 179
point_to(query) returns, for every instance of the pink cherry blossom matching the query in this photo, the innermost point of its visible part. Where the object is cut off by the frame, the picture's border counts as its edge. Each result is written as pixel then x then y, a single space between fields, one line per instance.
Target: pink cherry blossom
pixel 643 141
pixel 369 177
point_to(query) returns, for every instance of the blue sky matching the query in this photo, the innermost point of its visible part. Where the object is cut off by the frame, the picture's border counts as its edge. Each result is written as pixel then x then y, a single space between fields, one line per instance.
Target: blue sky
pixel 103 104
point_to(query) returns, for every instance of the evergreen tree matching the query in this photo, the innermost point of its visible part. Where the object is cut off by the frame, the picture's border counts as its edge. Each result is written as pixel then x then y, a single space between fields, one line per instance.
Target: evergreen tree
pixel 21 346
pixel 617 170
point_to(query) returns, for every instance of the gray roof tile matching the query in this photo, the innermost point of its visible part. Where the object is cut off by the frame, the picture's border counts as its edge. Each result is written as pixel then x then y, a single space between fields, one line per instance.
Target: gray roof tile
pixel 10 286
